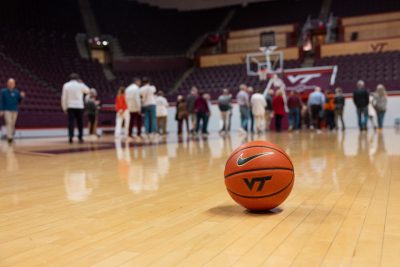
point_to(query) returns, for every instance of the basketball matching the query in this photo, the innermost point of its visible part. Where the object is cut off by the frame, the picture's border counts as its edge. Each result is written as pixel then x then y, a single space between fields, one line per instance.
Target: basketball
pixel 259 175
pixel 121 128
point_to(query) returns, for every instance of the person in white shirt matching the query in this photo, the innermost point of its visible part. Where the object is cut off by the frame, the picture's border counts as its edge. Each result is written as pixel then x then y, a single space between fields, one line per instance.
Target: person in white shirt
pixel 162 112
pixel 147 91
pixel 258 105
pixel 132 95
pixel 72 104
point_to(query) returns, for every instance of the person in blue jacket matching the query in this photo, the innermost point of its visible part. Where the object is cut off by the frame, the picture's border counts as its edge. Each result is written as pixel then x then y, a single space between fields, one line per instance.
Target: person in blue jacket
pixel 10 99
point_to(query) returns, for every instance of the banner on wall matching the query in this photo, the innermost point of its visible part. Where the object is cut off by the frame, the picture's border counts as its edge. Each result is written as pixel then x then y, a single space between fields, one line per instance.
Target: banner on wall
pixel 306 79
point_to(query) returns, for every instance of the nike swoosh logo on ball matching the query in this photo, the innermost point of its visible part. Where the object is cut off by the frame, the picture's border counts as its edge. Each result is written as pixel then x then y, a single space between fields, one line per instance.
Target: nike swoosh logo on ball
pixel 241 161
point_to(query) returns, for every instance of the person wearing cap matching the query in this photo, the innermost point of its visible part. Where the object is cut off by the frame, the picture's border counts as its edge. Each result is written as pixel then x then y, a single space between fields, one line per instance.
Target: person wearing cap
pixel 72 104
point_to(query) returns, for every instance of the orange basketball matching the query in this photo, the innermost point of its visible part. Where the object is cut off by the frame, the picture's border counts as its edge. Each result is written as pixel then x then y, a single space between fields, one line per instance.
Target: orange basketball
pixel 259 175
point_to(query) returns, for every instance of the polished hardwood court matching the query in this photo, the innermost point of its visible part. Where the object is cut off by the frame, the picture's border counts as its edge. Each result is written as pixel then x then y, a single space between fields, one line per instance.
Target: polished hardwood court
pixel 116 203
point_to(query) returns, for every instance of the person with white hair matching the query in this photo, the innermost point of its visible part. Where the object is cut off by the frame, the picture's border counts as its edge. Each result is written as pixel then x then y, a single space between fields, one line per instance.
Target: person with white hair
pixel 225 108
pixel 244 107
pixel 92 109
pixel 361 101
pixel 380 104
pixel 10 97
pixel 316 101
pixel 258 105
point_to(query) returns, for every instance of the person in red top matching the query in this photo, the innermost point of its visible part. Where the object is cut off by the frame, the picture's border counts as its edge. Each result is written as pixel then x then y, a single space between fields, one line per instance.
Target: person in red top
pixel 123 115
pixel 279 110
pixel 202 113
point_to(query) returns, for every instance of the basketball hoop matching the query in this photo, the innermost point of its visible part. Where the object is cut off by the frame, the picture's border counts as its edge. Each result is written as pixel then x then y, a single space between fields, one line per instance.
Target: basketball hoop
pixel 269 49
pixel 264 63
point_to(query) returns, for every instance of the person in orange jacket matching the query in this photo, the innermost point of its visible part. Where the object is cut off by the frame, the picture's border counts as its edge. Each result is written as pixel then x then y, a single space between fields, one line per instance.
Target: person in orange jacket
pixel 329 109
pixel 123 116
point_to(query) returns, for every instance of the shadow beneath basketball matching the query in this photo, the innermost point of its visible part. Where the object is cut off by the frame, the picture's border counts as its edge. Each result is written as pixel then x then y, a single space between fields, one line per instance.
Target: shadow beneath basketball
pixel 231 210
pixel 226 210
pixel 274 211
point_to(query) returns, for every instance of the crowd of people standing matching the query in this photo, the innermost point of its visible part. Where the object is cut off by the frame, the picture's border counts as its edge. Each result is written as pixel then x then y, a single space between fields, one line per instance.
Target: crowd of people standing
pixel 315 110
pixel 140 103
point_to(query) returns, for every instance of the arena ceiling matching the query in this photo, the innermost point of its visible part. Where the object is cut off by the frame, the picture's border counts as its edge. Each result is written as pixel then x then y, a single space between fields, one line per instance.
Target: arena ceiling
pixel 196 4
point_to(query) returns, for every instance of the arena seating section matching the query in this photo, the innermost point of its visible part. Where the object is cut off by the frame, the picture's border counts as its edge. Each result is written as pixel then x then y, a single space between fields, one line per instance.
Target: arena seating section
pixel 344 8
pixel 274 13
pixel 145 30
pixel 39 38
pixel 373 68
pixel 42 108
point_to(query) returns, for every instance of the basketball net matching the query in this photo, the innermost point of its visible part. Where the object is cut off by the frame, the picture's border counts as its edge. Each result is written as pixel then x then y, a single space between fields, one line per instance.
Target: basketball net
pixel 262 74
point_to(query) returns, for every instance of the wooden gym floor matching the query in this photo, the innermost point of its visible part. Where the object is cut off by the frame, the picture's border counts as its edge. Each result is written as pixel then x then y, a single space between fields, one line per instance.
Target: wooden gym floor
pixel 118 204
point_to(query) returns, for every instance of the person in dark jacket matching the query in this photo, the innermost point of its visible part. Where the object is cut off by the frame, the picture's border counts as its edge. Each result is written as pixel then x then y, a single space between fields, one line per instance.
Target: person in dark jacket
pixel 294 105
pixel 339 107
pixel 10 98
pixel 202 112
pixel 269 95
pixel 225 108
pixel 278 105
pixel 361 100
pixel 250 91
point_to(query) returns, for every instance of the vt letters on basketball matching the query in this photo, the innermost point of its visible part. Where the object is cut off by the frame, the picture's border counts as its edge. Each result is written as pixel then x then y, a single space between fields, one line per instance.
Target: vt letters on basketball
pixel 259 175
pixel 261 180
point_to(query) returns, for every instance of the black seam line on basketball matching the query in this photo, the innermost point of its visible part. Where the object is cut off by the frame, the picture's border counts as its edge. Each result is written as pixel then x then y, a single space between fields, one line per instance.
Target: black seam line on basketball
pixel 261 169
pixel 270 195
pixel 261 146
